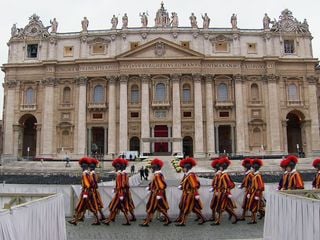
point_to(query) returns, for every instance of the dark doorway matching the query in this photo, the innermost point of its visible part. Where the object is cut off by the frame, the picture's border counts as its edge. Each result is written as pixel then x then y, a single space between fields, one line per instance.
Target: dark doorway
pixel 187 144
pixel 135 144
pixel 97 145
pixel 294 133
pixel 225 141
pixel 161 131
pixel 29 140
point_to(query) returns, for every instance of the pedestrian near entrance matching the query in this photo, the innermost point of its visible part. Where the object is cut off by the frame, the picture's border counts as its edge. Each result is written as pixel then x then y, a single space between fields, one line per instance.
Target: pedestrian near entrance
pixel 141 171
pixel 146 173
pixel 132 169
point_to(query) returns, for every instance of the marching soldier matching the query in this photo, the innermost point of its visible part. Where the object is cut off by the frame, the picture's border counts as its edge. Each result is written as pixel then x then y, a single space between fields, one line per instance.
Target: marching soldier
pixel 255 197
pixel 190 200
pixel 86 199
pixel 94 186
pixel 246 185
pixel 223 193
pixel 157 200
pixel 283 183
pixel 295 180
pixel 128 202
pixel 117 203
pixel 316 181
pixel 215 164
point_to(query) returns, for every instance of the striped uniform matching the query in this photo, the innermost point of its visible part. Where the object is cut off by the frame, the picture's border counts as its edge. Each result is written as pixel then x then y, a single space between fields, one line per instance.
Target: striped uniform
pixel 316 181
pixel 295 180
pixel 256 200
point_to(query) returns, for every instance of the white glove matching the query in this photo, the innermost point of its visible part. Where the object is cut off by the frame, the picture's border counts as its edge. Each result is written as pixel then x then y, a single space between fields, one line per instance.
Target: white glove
pixel 229 195
pixel 147 189
pixel 112 191
pixel 179 187
pixel 216 193
pixel 239 187
pixel 121 198
pixel 197 197
pixel 256 198
pixel 210 189
pixel 158 197
pixel 248 195
pixel 85 196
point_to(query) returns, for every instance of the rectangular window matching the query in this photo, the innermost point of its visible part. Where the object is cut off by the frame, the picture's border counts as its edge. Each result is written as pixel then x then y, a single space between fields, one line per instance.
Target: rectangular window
pixel 97 115
pixel 252 47
pixel 186 114
pixel 288 46
pixel 221 47
pixel 223 114
pixel 32 50
pixel 98 48
pixel 134 114
pixel 68 51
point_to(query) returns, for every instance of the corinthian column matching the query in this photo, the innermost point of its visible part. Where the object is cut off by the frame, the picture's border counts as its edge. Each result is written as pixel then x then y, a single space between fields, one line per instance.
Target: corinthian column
pixel 9 119
pixel 198 118
pixel 209 116
pixel 48 116
pixel 112 131
pixel 176 114
pixel 145 119
pixel 123 128
pixel 82 111
pixel 240 118
pixel 274 115
pixel 313 111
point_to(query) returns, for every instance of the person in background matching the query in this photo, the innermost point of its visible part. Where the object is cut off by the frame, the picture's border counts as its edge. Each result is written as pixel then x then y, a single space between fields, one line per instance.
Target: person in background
pixel 132 169
pixel 146 173
pixel 141 171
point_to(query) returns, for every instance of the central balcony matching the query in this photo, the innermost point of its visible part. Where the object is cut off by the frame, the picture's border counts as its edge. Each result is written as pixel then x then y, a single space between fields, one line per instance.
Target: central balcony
pixel 160 104
pixel 97 107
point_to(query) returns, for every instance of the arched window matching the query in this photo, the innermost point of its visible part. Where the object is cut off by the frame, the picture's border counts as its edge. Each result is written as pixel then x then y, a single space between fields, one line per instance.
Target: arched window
pixel 257 137
pixel 160 92
pixel 254 92
pixel 293 92
pixel 222 92
pixel 98 94
pixel 186 93
pixel 65 138
pixel 66 95
pixel 135 94
pixel 30 96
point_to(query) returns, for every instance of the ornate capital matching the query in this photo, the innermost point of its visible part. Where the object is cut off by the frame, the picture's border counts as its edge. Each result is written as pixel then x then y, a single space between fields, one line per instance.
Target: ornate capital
pixel 81 80
pixel 145 78
pixel 11 84
pixel 124 79
pixel 175 77
pixel 112 79
pixel 312 79
pixel 271 78
pixel 50 82
pixel 209 78
pixel 238 78
pixel 196 77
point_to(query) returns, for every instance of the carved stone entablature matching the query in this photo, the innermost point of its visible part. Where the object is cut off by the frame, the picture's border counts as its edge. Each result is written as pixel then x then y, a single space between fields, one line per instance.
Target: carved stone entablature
pixel 197 77
pixel 271 78
pixel 159 49
pixel 93 40
pixel 145 78
pixel 221 38
pixel 82 80
pixel 11 84
pixel 238 78
pixel 312 79
pixel 124 79
pixel 50 82
pixel 34 30
pixel 288 23
pixel 209 78
pixel 112 79
pixel 175 77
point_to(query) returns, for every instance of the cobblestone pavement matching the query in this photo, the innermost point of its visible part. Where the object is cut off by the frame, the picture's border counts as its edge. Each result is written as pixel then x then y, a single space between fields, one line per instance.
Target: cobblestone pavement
pixel 241 230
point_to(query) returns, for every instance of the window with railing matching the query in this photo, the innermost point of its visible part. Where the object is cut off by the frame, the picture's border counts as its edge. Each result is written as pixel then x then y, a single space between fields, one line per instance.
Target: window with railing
pixel 254 92
pixel 293 94
pixel 98 94
pixel 66 98
pixel 135 94
pixel 186 95
pixel 160 92
pixel 29 99
pixel 222 92
pixel 288 46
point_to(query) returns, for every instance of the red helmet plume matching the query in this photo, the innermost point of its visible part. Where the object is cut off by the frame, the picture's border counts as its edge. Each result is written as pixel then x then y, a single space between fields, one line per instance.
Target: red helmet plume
pixel 215 162
pixel 246 161
pixel 158 162
pixel 225 160
pixel 84 160
pixel 118 161
pixel 292 158
pixel 316 162
pixel 189 160
pixel 94 161
pixel 257 161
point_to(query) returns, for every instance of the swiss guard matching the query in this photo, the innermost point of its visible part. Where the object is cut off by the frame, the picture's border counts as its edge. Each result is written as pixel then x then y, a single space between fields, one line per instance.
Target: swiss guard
pixel 223 193
pixel 157 200
pixel 190 200
pixel 215 164
pixel 117 203
pixel 86 199
pixel 316 180
pixel 246 185
pixel 255 197
pixel 94 186
pixel 283 183
pixel 295 180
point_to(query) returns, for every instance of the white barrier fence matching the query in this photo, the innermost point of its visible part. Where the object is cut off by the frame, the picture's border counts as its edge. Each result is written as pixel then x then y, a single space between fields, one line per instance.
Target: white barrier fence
pixel 290 216
pixel 39 219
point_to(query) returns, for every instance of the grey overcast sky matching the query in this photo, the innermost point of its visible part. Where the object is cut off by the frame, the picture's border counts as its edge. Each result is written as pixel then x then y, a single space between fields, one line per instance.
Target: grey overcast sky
pixel 69 14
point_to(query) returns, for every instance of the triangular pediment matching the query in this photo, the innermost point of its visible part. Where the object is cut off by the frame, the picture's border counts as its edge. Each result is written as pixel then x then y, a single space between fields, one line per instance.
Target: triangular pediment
pixel 160 48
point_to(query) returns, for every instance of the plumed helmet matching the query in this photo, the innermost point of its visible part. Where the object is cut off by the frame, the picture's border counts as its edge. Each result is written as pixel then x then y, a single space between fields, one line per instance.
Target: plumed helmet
pixel 117 161
pixel 84 160
pixel 284 163
pixel 246 161
pixel 215 162
pixel 189 160
pixel 157 162
pixel 257 161
pixel 316 162
pixel 225 160
pixel 94 161
pixel 292 158
pixel 125 162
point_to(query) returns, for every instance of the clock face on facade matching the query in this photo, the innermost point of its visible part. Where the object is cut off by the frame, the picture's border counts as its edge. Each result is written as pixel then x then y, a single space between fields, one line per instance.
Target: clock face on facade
pixel 288 26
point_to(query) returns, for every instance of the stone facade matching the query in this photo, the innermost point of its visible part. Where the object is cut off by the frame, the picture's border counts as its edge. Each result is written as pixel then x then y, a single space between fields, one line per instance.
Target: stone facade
pixel 163 89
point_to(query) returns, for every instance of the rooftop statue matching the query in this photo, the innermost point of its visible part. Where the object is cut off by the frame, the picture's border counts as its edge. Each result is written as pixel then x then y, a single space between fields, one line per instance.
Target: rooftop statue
pixel 125 21
pixel 174 20
pixel 266 21
pixel 206 21
pixel 114 22
pixel 85 24
pixel 144 19
pixel 162 17
pixel 193 21
pixel 234 21
pixel 54 25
